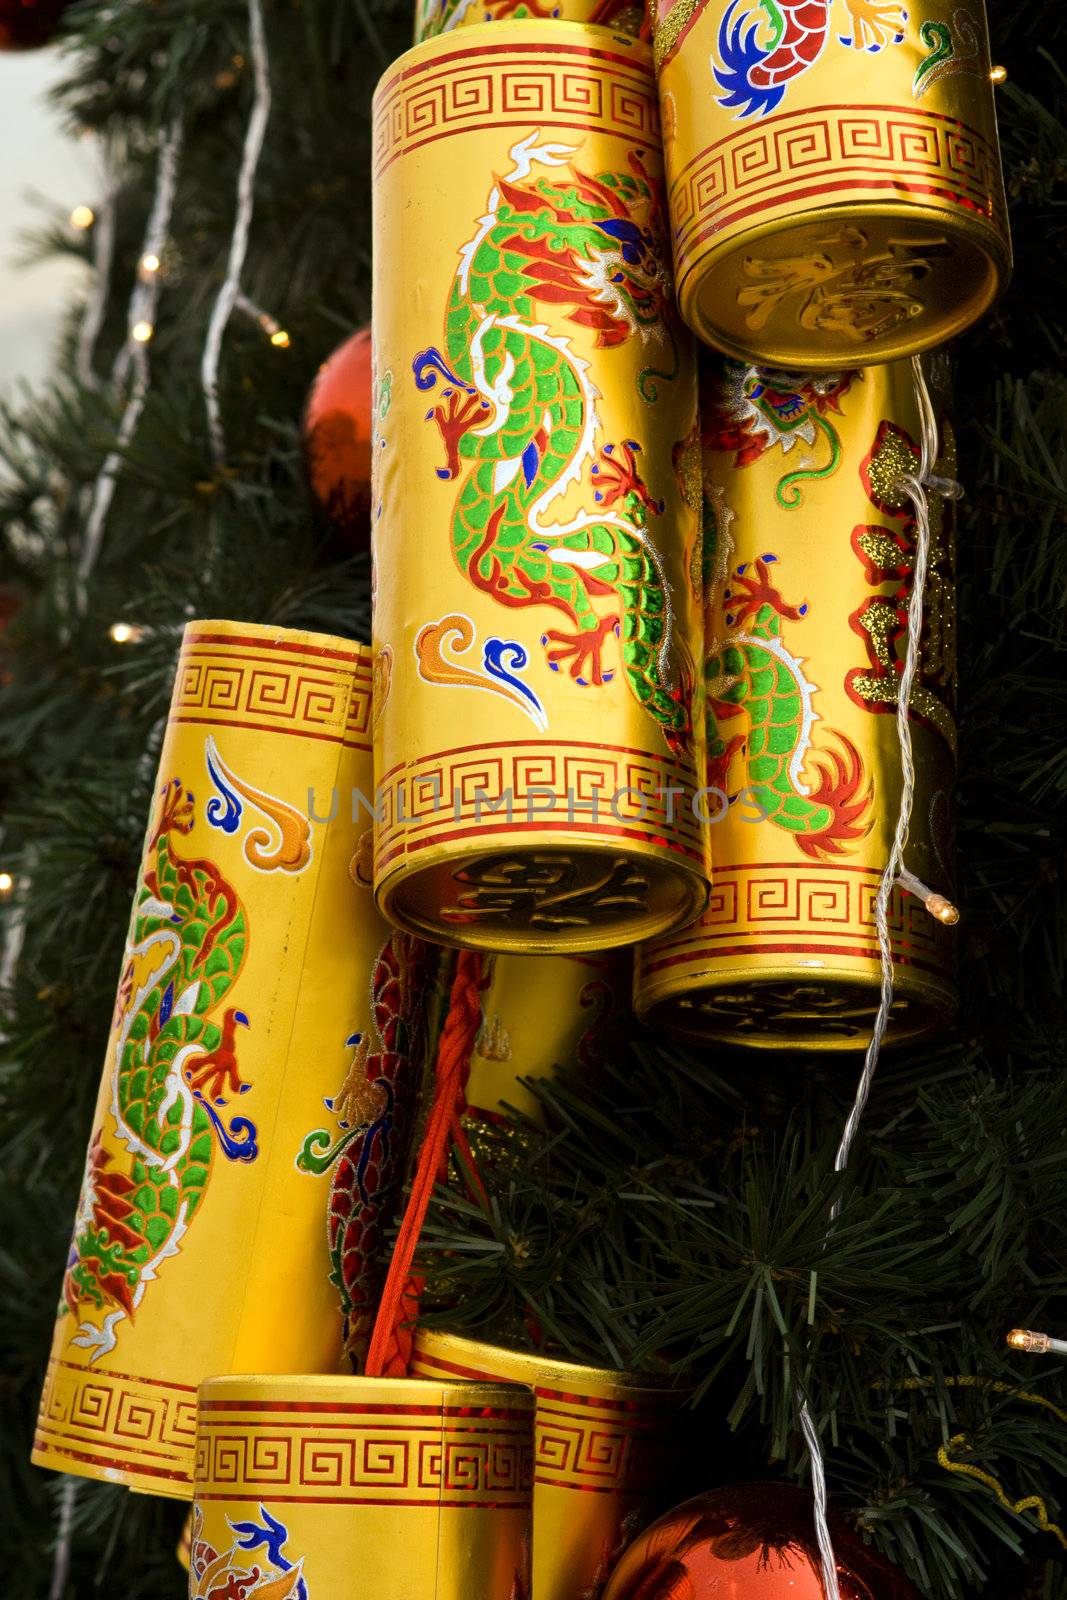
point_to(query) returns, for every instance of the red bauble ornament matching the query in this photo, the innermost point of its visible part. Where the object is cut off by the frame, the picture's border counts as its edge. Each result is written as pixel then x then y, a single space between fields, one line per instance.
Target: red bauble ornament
pixel 338 431
pixel 753 1541
pixel 25 24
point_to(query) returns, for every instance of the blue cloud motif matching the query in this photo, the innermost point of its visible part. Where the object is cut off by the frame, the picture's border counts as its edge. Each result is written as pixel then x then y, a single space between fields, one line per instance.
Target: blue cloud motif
pixel 272 1534
pixel 239 1141
pixel 504 670
pixel 225 813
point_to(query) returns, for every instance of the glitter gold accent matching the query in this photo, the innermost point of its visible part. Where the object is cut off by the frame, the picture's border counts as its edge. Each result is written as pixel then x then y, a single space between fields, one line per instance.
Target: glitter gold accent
pixel 493 1043
pixel 669 23
pixel 891 461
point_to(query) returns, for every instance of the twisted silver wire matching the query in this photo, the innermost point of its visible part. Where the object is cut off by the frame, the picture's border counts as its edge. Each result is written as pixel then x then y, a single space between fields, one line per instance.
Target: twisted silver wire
pixel 142 308
pixel 227 296
pixel 915 486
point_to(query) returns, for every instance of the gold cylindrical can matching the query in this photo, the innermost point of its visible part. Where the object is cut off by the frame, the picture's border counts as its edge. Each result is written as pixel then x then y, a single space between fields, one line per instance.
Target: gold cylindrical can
pixel 540 1013
pixel 835 193
pixel 245 987
pixel 351 1488
pixel 441 16
pixel 536 628
pixel 599 1443
pixel 810 551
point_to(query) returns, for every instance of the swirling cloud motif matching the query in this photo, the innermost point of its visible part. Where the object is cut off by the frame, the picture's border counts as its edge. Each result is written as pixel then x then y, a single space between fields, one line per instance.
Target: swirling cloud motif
pixel 284 845
pixel 222 1574
pixel 437 645
pixel 226 813
pixel 382 680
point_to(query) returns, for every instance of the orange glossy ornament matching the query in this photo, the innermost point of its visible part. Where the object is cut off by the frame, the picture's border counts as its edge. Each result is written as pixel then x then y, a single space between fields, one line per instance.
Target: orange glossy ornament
pixel 752 1541
pixel 337 438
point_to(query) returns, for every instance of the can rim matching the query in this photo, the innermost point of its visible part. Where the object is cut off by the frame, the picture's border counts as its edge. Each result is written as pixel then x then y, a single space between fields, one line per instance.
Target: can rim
pixel 354 1392
pixel 539 1370
pixel 271 636
pixel 985 237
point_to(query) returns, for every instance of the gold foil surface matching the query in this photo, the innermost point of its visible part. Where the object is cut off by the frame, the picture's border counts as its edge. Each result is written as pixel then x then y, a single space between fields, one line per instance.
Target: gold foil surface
pixel 536 632
pixel 808 563
pixel 834 175
pixel 540 1013
pixel 337 1488
pixel 599 1443
pixel 200 1240
pixel 441 16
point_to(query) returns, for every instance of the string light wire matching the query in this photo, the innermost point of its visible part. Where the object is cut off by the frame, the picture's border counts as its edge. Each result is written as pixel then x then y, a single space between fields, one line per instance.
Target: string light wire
pixel 915 485
pixel 68 1494
pixel 270 325
pixel 145 297
pixel 140 313
pixel 96 309
pixel 227 297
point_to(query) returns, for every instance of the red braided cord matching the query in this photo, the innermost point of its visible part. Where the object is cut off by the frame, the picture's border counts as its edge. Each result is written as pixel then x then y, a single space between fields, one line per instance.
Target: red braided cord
pixel 390 1345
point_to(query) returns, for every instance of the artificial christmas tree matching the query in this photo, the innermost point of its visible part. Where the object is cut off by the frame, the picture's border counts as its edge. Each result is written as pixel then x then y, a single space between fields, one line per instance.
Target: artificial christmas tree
pixel 671 1215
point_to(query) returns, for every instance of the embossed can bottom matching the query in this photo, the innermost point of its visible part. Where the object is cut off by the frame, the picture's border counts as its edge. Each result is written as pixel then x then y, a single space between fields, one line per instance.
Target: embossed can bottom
pixel 778 1006
pixel 820 292
pixel 548 900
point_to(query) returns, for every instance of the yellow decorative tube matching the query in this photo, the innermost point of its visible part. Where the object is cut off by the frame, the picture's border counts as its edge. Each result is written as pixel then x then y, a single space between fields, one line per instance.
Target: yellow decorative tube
pixel 540 1012
pixel 599 1442
pixel 200 1242
pixel 338 1488
pixel 834 175
pixel 536 626
pixel 808 569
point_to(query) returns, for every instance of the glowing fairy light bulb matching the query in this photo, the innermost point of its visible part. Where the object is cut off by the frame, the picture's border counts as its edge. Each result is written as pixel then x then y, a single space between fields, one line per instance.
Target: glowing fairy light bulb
pixel 938 905
pixel 1035 1344
pixel 142 332
pixel 82 217
pixel 942 909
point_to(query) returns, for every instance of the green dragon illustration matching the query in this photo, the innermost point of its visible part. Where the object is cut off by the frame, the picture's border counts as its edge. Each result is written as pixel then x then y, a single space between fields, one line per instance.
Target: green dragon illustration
pixel 174 1066
pixel 519 420
pixel 750 673
pixel 750 410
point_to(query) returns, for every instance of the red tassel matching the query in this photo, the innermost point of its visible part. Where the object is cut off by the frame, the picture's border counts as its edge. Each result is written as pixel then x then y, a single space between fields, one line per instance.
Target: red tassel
pixel 390 1346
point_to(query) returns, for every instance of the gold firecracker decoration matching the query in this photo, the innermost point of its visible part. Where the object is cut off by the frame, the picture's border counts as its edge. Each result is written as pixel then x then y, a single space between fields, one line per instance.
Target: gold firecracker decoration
pixel 536 632
pixel 599 1443
pixel 808 569
pixel 441 16
pixel 834 175
pixel 541 1012
pixel 329 1489
pixel 200 1240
